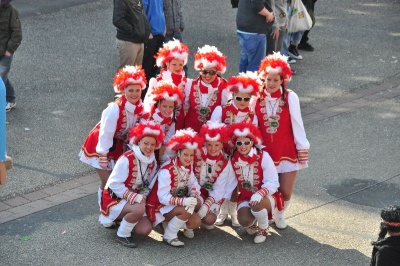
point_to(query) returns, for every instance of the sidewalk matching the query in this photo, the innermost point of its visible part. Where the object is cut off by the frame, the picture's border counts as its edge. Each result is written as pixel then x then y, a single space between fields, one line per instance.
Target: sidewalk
pixel 329 225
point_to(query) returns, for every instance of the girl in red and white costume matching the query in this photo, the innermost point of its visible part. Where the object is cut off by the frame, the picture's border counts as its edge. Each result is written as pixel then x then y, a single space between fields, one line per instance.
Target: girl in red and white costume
pixel 213 172
pixel 244 88
pixel 205 93
pixel 130 182
pixel 257 179
pixel 106 141
pixel 176 193
pixel 171 58
pixel 166 97
pixel 281 124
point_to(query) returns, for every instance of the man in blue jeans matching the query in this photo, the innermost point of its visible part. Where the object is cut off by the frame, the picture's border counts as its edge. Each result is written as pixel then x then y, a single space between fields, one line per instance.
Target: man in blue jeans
pixel 253 20
pixel 10 39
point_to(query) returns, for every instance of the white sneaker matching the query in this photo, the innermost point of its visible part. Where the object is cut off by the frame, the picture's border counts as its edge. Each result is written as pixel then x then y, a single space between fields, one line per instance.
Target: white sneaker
pixel 174 242
pixel 280 223
pixel 109 225
pixel 235 221
pixel 9 106
pixel 208 227
pixel 188 233
pixel 221 219
pixel 261 236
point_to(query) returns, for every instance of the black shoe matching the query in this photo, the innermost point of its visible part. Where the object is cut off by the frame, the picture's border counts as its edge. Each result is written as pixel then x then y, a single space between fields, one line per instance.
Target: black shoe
pixel 305 46
pixel 126 241
pixel 292 51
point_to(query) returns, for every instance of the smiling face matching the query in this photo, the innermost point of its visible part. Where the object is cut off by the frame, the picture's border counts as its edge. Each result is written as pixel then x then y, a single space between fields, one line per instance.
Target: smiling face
pixel 245 100
pixel 273 82
pixel 206 76
pixel 166 108
pixel 241 146
pixel 176 66
pixel 213 148
pixel 186 156
pixel 133 93
pixel 147 145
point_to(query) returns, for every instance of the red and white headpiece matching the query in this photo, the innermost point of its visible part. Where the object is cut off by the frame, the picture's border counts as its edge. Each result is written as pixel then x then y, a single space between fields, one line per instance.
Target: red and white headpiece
pixel 129 75
pixel 245 130
pixel 275 64
pixel 244 83
pixel 172 50
pixel 146 129
pixel 208 57
pixel 185 139
pixel 166 90
pixel 214 131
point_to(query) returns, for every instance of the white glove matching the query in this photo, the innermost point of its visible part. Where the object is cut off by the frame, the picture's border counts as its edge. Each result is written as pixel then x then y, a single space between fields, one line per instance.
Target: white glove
pixel 214 208
pixel 190 209
pixel 189 202
pixel 202 212
pixel 256 198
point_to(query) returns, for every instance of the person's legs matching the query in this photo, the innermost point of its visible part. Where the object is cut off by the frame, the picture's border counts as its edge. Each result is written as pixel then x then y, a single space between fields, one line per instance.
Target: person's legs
pixel 150 49
pixel 5 66
pixel 303 44
pixel 10 94
pixel 243 52
pixel 286 181
pixel 257 51
pixel 129 53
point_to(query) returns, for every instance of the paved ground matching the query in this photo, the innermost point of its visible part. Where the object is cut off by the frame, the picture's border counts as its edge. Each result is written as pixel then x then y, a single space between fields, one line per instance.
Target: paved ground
pixel 349 88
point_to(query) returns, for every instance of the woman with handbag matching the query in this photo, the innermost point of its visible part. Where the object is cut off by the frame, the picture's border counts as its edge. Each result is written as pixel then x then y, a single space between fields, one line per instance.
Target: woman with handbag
pixel 281 124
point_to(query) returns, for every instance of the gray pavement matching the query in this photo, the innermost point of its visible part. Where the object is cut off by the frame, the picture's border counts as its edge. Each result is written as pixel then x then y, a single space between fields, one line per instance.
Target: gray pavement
pixel 349 89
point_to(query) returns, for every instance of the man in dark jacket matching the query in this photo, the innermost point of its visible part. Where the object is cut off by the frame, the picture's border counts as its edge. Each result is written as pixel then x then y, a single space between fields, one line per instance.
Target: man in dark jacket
pixel 133 30
pixel 10 39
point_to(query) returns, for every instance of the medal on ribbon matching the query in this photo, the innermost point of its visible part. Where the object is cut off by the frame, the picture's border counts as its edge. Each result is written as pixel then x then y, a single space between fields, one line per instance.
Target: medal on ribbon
pixel 203 111
pixel 208 186
pixel 247 185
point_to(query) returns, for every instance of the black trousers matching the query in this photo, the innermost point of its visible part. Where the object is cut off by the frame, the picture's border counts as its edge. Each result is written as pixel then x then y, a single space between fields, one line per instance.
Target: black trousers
pixel 309 4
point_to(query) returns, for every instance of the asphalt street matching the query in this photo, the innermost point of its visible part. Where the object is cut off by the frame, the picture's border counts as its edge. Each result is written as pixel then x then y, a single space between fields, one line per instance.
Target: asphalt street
pixel 63 72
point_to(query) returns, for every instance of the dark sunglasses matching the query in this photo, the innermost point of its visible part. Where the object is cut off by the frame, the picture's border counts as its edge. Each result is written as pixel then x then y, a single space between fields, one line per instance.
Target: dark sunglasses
pixel 211 72
pixel 246 143
pixel 239 99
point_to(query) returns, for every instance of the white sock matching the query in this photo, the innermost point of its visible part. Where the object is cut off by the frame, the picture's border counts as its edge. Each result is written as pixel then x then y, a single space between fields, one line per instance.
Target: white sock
pixel 99 194
pixel 287 203
pixel 171 232
pixel 232 208
pixel 261 217
pixel 224 207
pixel 184 226
pixel 125 228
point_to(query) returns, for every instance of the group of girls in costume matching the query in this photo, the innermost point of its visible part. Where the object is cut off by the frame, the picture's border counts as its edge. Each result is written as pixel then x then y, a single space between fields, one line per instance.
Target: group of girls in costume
pixel 197 150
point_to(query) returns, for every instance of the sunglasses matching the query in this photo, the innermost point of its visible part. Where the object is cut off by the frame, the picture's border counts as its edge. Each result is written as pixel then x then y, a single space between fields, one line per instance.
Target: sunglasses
pixel 240 143
pixel 211 72
pixel 239 99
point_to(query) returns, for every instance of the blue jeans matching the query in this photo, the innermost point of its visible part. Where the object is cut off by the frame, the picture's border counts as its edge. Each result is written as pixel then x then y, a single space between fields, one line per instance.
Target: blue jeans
pixel 252 51
pixel 5 65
